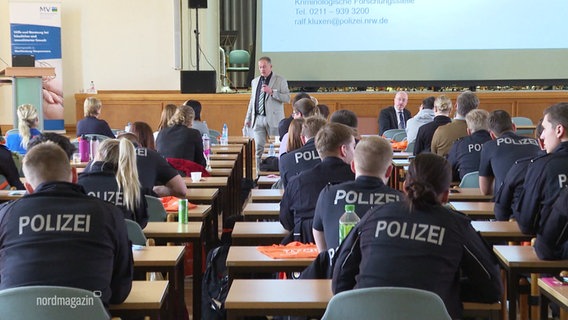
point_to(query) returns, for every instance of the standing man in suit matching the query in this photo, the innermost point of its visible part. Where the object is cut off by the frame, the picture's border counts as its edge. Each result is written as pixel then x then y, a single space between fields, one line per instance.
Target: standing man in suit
pixel 266 106
pixel 395 117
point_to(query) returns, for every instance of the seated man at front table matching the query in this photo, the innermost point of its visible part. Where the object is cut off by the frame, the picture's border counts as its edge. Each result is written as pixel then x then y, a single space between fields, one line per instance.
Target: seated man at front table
pixel 306 157
pixel 335 144
pixel 395 117
pixel 372 165
pixel 57 235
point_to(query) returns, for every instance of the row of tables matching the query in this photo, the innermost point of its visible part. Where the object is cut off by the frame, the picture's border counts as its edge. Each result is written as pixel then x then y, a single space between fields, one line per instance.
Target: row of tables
pixel 217 194
pixel 268 296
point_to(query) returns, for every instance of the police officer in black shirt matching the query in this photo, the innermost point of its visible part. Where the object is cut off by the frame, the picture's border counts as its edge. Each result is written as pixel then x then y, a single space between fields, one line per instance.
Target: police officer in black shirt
pixel 546 175
pixel 499 154
pixel 420 244
pixel 507 196
pixel 306 157
pixel 335 144
pixel 552 241
pixel 372 164
pixel 465 152
pixel 57 235
pixel 155 173
pixel 113 177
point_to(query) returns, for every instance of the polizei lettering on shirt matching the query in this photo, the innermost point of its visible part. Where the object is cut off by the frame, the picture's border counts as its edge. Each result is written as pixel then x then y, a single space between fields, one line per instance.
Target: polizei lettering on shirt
pixel 306 156
pixel 506 140
pixel 364 198
pixel 114 197
pixel 55 222
pixel 413 231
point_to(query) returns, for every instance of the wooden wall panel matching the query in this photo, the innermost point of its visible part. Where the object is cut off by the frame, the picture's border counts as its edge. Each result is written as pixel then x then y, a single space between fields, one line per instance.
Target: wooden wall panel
pixel 121 107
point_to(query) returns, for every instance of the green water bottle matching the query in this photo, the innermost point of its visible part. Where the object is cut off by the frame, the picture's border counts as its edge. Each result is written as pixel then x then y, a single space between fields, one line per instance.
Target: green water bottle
pixel 347 221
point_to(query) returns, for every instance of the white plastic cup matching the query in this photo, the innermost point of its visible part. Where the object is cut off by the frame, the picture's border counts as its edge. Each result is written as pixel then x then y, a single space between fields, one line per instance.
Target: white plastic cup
pixel 196 176
pixel 76 158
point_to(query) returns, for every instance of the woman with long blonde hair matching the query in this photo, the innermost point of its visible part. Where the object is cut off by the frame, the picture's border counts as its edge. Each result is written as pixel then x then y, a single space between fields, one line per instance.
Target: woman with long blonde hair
pixel 113 177
pixel 28 121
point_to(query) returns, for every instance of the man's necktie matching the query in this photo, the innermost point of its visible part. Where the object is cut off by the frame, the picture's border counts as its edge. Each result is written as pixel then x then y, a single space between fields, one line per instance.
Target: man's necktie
pixel 401 124
pixel 261 98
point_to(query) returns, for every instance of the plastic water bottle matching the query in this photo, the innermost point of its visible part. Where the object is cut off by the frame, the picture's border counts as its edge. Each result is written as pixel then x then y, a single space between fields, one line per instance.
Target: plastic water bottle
pixel 84 148
pixel 347 221
pixel 271 151
pixel 206 145
pixel 127 127
pixel 225 135
pixel 92 88
pixel 94 147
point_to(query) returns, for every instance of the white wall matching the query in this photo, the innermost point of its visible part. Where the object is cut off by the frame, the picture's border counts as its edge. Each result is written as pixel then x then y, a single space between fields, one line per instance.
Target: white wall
pixel 120 45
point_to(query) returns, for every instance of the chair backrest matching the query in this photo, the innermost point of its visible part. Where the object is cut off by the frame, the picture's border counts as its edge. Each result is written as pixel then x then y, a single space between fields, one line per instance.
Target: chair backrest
pixel 135 233
pixel 399 136
pixel 523 121
pixel 470 180
pixel 239 57
pixel 410 146
pixel 391 132
pixel 12 131
pixel 386 303
pixel 156 210
pixel 36 302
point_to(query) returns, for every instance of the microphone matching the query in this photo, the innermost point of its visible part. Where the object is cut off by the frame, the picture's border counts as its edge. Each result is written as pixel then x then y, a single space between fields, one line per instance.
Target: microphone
pixel 261 81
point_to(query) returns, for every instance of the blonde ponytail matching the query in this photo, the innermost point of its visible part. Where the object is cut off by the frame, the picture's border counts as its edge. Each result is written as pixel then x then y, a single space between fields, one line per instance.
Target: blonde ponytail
pixel 127 174
pixel 27 116
pixel 122 154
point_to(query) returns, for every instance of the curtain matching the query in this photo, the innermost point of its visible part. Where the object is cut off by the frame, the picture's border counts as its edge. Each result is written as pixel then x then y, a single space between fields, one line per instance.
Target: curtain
pixel 240 16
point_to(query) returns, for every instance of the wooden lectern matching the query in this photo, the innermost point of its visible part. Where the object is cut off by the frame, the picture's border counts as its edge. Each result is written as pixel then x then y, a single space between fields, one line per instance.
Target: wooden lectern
pixel 27 88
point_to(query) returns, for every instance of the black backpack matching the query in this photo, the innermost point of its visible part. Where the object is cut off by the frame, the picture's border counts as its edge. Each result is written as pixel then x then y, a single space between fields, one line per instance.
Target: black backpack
pixel 215 284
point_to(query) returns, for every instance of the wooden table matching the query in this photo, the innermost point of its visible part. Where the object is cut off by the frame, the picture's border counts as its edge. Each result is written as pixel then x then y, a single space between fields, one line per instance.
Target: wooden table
pixel 247 259
pixel 552 290
pixel 174 232
pixel 266 195
pixel 79 165
pixel 254 297
pixel 266 182
pixel 146 298
pixel 261 233
pixel 261 211
pixel 399 173
pixel 223 156
pixel 234 182
pixel 402 155
pixel 220 172
pixel 227 164
pixel 164 259
pixel 7 195
pixel 249 155
pixel 468 194
pixel 495 231
pixel 222 183
pixel 475 210
pixel 202 195
pixel 516 260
